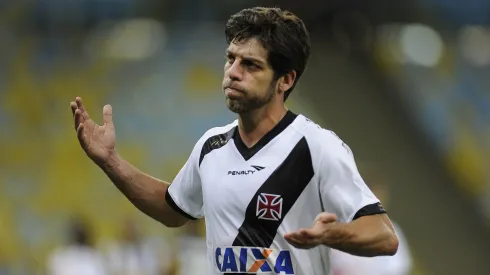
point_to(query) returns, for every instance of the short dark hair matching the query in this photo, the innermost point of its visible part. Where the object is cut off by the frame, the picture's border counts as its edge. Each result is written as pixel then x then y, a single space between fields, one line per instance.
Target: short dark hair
pixel 280 32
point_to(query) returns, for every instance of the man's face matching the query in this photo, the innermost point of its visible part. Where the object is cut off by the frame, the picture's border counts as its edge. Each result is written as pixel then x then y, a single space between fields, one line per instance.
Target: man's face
pixel 248 81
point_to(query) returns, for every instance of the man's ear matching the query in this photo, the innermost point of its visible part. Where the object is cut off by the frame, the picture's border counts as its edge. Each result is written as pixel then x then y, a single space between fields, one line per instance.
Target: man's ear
pixel 286 81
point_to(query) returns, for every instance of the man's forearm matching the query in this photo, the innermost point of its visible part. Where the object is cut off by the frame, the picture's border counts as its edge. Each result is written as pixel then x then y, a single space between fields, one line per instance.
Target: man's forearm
pixel 362 238
pixel 144 191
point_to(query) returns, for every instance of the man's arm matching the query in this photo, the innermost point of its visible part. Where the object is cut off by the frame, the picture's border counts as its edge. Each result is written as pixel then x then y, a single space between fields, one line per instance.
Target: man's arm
pixel 148 194
pixel 353 220
pixel 144 192
pixel 367 236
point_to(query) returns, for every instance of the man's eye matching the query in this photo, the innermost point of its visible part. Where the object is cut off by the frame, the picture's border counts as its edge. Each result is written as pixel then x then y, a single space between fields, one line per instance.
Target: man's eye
pixel 251 65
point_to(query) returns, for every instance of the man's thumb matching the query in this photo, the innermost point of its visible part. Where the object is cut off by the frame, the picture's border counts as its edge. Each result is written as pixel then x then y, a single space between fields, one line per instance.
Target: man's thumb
pixel 107 114
pixel 326 217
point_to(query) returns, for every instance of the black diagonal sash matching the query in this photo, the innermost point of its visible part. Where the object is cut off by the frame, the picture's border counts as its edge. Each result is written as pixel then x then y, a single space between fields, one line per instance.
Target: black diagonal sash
pixel 288 181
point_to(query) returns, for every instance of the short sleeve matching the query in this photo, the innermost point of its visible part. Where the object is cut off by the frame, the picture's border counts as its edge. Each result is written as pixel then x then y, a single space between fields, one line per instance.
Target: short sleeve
pixel 342 189
pixel 185 192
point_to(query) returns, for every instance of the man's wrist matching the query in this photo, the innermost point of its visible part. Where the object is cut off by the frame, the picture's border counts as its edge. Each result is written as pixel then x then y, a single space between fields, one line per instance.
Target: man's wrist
pixel 112 161
pixel 337 234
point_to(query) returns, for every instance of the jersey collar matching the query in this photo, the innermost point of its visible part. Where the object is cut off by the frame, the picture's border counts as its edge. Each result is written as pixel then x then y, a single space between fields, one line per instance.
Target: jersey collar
pixel 246 152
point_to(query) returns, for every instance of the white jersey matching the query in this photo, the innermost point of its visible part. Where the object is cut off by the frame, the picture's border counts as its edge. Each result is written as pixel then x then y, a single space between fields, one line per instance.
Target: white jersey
pixel 251 197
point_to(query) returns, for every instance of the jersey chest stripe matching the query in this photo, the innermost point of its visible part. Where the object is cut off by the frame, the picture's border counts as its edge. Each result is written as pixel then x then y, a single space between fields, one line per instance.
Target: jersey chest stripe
pixel 288 181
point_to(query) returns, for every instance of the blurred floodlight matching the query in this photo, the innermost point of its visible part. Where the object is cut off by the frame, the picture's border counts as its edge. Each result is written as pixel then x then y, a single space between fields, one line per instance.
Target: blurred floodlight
pixel 131 40
pixel 474 42
pixel 421 45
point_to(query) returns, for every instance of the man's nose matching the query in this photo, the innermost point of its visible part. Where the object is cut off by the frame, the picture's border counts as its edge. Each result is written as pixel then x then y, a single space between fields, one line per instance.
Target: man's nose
pixel 235 71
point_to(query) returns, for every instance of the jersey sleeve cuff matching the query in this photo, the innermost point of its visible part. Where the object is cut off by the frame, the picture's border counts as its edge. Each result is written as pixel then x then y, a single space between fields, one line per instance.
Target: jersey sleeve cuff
pixel 370 209
pixel 175 207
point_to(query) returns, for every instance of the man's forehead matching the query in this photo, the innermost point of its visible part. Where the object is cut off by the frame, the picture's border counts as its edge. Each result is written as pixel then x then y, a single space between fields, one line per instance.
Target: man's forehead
pixel 248 48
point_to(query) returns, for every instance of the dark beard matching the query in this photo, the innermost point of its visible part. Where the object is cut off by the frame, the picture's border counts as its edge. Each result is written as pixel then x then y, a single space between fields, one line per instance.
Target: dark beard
pixel 249 104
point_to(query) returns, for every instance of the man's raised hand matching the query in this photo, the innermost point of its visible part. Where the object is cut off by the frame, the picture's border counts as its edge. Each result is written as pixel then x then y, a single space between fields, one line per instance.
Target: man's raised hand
pixel 318 234
pixel 98 141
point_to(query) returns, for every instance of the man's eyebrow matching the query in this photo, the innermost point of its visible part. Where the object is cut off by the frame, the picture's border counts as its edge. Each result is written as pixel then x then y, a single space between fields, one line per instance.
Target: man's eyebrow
pixel 249 58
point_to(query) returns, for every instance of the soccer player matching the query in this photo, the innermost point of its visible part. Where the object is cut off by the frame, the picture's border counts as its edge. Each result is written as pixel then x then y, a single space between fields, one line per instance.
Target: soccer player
pixel 277 190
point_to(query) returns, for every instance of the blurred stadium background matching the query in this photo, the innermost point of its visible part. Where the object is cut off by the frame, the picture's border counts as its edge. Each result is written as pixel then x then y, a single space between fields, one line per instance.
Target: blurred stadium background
pixel 405 83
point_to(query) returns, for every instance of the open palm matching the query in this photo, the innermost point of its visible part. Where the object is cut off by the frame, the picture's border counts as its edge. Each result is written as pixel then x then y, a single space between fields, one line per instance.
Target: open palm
pixel 307 238
pixel 98 141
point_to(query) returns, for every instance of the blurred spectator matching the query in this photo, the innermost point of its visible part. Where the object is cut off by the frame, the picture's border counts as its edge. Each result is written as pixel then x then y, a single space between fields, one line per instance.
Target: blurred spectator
pixel 399 264
pixel 79 257
pixel 134 255
pixel 192 257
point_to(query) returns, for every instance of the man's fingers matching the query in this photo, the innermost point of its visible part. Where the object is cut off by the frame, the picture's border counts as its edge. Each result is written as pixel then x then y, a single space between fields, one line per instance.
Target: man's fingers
pixel 326 217
pixel 305 238
pixel 307 233
pixel 299 242
pixel 80 106
pixel 311 233
pixel 80 134
pixel 302 235
pixel 294 240
pixel 107 114
pixel 74 107
pixel 292 235
pixel 78 119
pixel 79 102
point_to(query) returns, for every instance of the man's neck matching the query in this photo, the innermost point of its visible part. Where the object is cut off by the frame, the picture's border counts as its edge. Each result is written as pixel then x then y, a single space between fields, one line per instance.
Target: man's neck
pixel 257 123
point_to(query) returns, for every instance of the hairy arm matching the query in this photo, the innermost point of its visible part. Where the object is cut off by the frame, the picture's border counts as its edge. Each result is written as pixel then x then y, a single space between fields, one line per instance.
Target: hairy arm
pixel 145 192
pixel 366 236
pixel 344 192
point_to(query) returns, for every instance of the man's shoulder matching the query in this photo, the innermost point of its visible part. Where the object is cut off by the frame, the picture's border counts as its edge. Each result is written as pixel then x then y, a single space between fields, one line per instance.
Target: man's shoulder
pixel 214 138
pixel 317 135
pixel 219 130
